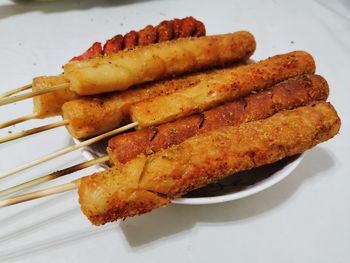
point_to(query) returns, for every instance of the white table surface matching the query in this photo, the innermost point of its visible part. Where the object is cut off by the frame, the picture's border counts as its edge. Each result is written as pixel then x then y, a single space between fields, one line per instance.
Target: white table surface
pixel 305 218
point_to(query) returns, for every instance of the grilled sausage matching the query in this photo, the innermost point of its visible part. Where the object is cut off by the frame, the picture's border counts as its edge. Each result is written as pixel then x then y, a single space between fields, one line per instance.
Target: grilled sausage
pixel 186 27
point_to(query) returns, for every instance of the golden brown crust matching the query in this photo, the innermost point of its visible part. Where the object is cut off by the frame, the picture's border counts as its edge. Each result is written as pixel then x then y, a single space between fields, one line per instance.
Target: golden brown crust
pixel 223 86
pixel 126 202
pixel 122 70
pixel 209 157
pixel 50 104
pixel 91 116
pixel 289 94
pixel 121 191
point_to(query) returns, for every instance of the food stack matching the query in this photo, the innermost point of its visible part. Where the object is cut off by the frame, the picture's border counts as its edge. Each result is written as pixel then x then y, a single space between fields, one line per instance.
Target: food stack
pixel 199 110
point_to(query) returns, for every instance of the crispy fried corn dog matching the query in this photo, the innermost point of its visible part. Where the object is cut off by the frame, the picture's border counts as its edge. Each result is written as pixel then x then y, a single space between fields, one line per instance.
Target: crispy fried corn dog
pixel 292 93
pixel 121 70
pixel 221 87
pixel 149 182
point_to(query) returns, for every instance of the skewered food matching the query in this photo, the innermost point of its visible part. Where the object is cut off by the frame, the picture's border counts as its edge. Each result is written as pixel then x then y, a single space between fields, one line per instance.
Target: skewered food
pixel 121 70
pixel 149 182
pixel 223 86
pixel 91 116
pixel 292 93
pixel 50 104
pixel 254 77
pixel 231 119
pixel 289 94
pixel 165 101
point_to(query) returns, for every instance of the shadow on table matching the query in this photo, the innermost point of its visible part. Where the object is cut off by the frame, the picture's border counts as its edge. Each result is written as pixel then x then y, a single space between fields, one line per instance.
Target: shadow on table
pixel 58 239
pixel 339 11
pixel 174 219
pixel 25 6
pixel 162 223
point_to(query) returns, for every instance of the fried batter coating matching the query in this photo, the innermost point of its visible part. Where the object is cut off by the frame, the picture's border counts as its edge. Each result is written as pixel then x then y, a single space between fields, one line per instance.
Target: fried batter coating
pixel 50 104
pixel 221 87
pixel 91 116
pixel 292 93
pixel 122 70
pixel 149 182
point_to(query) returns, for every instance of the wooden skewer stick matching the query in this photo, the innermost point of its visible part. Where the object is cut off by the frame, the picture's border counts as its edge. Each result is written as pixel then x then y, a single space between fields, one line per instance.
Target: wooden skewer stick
pixel 14 91
pixel 70 149
pixel 38 194
pixel 33 131
pixel 8 100
pixel 53 176
pixel 18 120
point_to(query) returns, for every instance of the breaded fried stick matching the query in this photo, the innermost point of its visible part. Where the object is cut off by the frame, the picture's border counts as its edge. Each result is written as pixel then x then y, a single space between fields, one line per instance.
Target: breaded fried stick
pixel 149 182
pixel 221 87
pixel 160 102
pixel 286 95
pixel 122 70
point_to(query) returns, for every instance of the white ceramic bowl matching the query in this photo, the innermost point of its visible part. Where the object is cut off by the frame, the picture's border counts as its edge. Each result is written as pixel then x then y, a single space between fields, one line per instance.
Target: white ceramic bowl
pixel 231 188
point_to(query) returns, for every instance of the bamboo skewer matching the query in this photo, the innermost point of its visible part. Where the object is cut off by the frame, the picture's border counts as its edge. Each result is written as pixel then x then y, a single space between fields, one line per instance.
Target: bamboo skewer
pixel 14 91
pixel 53 176
pixel 8 100
pixel 38 194
pixel 69 149
pixel 33 131
pixel 18 120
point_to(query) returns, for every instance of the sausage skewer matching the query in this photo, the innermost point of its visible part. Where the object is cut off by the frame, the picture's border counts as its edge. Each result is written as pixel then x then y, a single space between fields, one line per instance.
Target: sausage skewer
pixel 48 105
pixel 289 94
pixel 148 182
pixel 263 74
pixel 122 70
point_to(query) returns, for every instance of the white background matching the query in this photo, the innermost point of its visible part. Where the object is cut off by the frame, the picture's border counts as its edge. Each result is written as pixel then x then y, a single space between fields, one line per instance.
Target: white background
pixel 305 218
